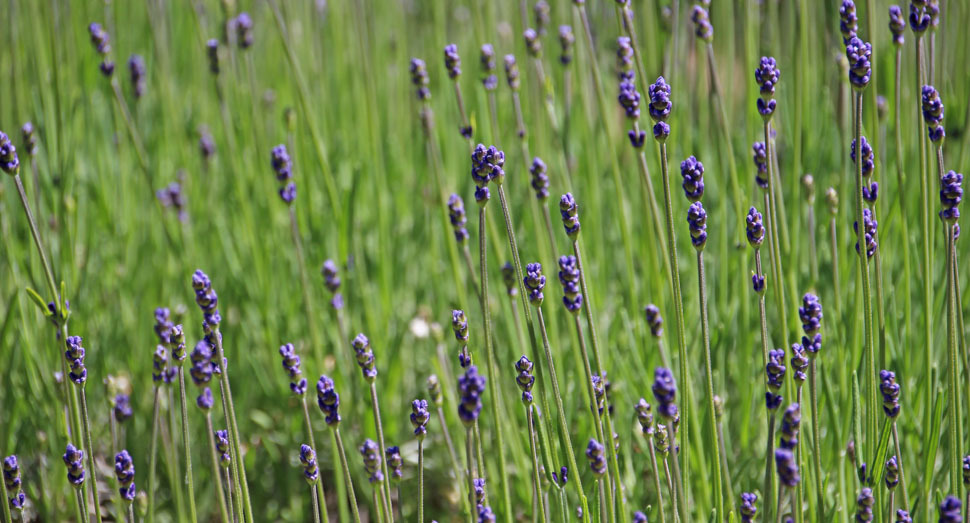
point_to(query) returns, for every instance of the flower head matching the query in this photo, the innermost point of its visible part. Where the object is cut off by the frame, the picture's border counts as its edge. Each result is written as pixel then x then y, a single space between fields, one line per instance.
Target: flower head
pixel 420 417
pixel 419 78
pixel 74 460
pixel 525 379
pixel 372 460
pixel 870 230
pixel 566 41
pixel 596 454
pixel 9 162
pixel 569 277
pixel 665 392
pixel 487 163
pixel 702 24
pixel 291 364
pixel 848 21
pixel 212 51
pixel 541 13
pixel 661 440
pixel 790 423
pixel 394 462
pixel 311 473
pixel 624 59
pixel 859 53
pixel 890 393
pixel 365 357
pixel 532 42
pixel 654 320
pixel 328 400
pixel 644 416
pixel 868 157
pixel 966 470
pixel 122 408
pixel 629 98
pixel 863 505
pixel 767 76
pixel 749 507
pixel 244 30
pixel 787 467
pixel 283 167
pixel 534 283
pixel 903 516
pixel 125 473
pixel 660 107
pixel 508 277
pixel 222 447
pixel 75 360
pixel 511 72
pixel 692 170
pixel 775 370
pixel 487 61
pixel 754 228
pixel 919 17
pixel 569 210
pixel 950 510
pixel 471 387
pixel 892 473
pixel 136 69
pixel 29 138
pixel 540 181
pixel 452 61
pixel 207 300
pixel 12 481
pixel 811 314
pixel 951 193
pixel 434 390
pixel 897 24
pixel 760 156
pixel 697 222
pixel 799 363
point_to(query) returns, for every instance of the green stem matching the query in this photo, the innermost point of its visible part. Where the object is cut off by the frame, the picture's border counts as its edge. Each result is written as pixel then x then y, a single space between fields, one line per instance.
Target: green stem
pixel 188 447
pixel 351 497
pixel 380 441
pixel 233 456
pixel 816 444
pixel 769 491
pixel 88 443
pixel 656 481
pixel 902 475
pixel 672 491
pixel 773 232
pixel 451 447
pixel 470 470
pixel 705 333
pixel 927 261
pixel 305 285
pixel 421 480
pixel 316 504
pixel 901 200
pixel 223 509
pixel 152 458
pixel 535 465
pixel 228 482
pixel 313 444
pixel 239 468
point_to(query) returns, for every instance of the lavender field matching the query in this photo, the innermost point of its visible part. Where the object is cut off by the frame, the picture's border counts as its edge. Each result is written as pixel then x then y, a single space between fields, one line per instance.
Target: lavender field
pixel 484 261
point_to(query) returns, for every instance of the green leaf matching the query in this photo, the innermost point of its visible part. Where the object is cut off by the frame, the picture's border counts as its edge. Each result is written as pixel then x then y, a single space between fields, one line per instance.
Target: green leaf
pixel 879 462
pixel 932 442
pixel 856 417
pixel 38 300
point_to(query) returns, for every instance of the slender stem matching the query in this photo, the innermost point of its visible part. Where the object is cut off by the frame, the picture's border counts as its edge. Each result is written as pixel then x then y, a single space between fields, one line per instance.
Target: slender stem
pixel 927 261
pixel 451 447
pixel 5 501
pixel 816 444
pixel 461 111
pixel 902 475
pixel 705 333
pixel 378 504
pixel 223 509
pixel 35 233
pixel 421 480
pixel 498 426
pixel 313 444
pixel 812 248
pixel 79 511
pixel 769 490
pixel 470 265
pixel 679 482
pixel 351 497
pixel 796 492
pixel 772 232
pixel 671 490
pixel 305 285
pixel 174 472
pixel 602 500
pixel 901 200
pixel 185 443
pixel 316 504
pixel 88 443
pixel 535 465
pixel 119 502
pixel 470 470
pixel 722 121
pixel 656 480
pixel 953 369
pixel 652 204
pixel 380 441
pixel 228 482
pixel 233 456
pixel 239 468
pixel 152 458
pixel 781 497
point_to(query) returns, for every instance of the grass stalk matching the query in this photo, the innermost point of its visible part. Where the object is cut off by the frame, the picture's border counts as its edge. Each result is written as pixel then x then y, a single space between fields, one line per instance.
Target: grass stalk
pixel 535 465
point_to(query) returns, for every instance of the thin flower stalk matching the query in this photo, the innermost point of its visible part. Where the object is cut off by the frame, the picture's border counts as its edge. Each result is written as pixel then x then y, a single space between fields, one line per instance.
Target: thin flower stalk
pixel 223 507
pixel 190 482
pixel 319 490
pixel 351 497
pixel 153 454
pixel 925 219
pixel 901 193
pixel 239 469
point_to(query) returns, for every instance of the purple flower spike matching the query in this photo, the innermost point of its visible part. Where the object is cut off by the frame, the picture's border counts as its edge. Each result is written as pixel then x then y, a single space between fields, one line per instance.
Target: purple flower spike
pixel 569 210
pixel 892 473
pixel 702 24
pixel 767 76
pixel 890 393
pixel 775 371
pixel 122 408
pixel 74 460
pixel 394 462
pixel 644 416
pixel 897 24
pixel 951 193
pixel 654 320
pixel 697 222
pixel 136 69
pixel 452 61
pixel 212 51
pixel 11 479
pixel 511 72
pixel 487 163
pixel 749 507
pixel 596 454
pixel 291 364
pixel 534 283
pixel 950 510
pixel 754 228
pixel 624 59
pixel 790 423
pixel 508 277
pixel 858 53
pixel 222 447
pixel 665 392
pixel 365 357
pixel 799 363
pixel 244 30
pixel 639 517
pixel 487 60
pixel 811 314
pixel 848 21
pixel 524 378
pixel 328 400
pixel 868 156
pixel 540 181
pixel 125 473
pixel 471 387
pixel 456 213
pixel 9 162
pixel 163 324
pixel 569 277
pixel 760 156
pixel 566 41
pixel 532 42
pixel 903 516
pixel 419 77
pixel 372 460
pixel 787 468
pixel 932 106
pixel 283 166
pixel 966 471
pixel 660 107
pixel 692 170
pixel 919 17
pixel 863 505
pixel 629 98
pixel 75 360
pixel 420 417
pixel 870 229
pixel 311 473
pixel 29 139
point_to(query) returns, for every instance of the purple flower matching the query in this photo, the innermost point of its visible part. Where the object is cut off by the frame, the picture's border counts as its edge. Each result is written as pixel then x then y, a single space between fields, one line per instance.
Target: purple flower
pixel 511 72
pixel 644 416
pixel 890 393
pixel 760 155
pixel 11 479
pixel 207 144
pixel 848 21
pixel 932 106
pixel 654 320
pixel 29 138
pixel 420 417
pixel 487 163
pixel 562 477
pixel 532 43
pixel 919 17
pixel 697 222
pixel 283 166
pixel 540 181
pixel 487 61
pixel 661 440
pixel 244 30
pixel 207 300
pixel 136 69
pixel 790 422
pixel 903 517
pixel 892 473
pixel 624 60
pixel 859 52
pixel 394 462
pixel 125 473
pixel 75 360
pixel 639 517
pixel 786 467
pixel 665 392
pixel 372 460
pixel 775 369
pixel 629 98
pixel 811 314
pixel 99 38
pixel 692 170
pixel 950 510
pixel 524 378
pixel 897 24
pixel 419 78
pixel 596 454
pixel 767 76
pixel 749 507
pixel 660 107
pixel 311 473
pixel 222 446
pixel 212 51
pixel 702 24
pixel 951 193
pixel 452 61
pixel 966 470
pixel 863 505
pixel 754 228
pixel 566 41
pixel 456 213
pixel 74 460
pixel 9 162
pixel 534 283
pixel 328 400
pixel 569 277
pixel 569 210
pixel 122 408
pixel 459 324
pixel 485 514
pixel 172 196
pixel 291 364
pixel 799 363
pixel 868 156
pixel 541 12
pixel 471 387
pixel 365 357
pixel 870 229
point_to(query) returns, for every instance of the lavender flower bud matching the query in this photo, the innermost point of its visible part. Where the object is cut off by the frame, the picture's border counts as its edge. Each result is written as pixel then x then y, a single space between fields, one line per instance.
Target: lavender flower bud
pixel 767 76
pixel 790 423
pixel 125 473
pixel 903 517
pixel 136 68
pixel 868 157
pixel 29 139
pixel 760 155
pixel 420 417
pixel 799 363
pixel 932 106
pixel 566 41
pixel 569 277
pixel 754 228
pixel 775 370
pixel 244 30
pixel 508 277
pixel 692 170
pixel 569 210
pixel 665 392
pixel 541 13
pixel 848 25
pixel 661 440
pixel 749 507
pixel 207 300
pixel 832 198
pixel 654 320
pixel 291 364
pixel 966 470
pixel 478 488
pixel 75 360
pixel 599 393
pixel 950 510
pixel 511 72
pixel 863 505
pixel 434 390
pixel 596 454
pixel 487 60
pixel 212 51
pixel 534 283
pixel 9 162
pixel 452 61
pixel 74 459
pixel 122 408
pixel 870 229
pixel 811 314
pixel 624 59
pixel 540 181
pixel 331 280
pixel 697 222
pixel 419 78
pixel 222 446
pixel 459 324
pixel 919 17
pixel 280 160
pixel 311 473
pixel 524 378
pixel 365 357
pixel 471 387
pixel 702 24
pixel 372 460
pixel 485 514
pixel 159 363
pixel 951 193
pixel 328 400
pixel 644 416
pixel 394 463
pixel 859 52
pixel 562 477
pixel 207 145
pixel 532 42
pixel 660 107
pixel 639 517
pixel 890 393
pixel 892 473
pixel 487 163
pixel 100 39
pixel 11 479
pixel 786 467
pixel 177 344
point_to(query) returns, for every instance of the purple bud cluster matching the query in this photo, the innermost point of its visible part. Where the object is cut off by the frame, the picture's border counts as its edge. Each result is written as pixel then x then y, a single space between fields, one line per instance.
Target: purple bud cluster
pixel 644 416
pixel 919 17
pixel 291 364
pixel 566 41
pixel 532 43
pixel 697 222
pixel 775 370
pixel 136 70
pixel 863 505
pixel 207 300
pixel 890 393
pixel 665 392
pixel 452 61
pixel 692 170
pixel 540 181
pixel 244 30
pixel 12 481
pixel 897 24
pixel 283 167
pixel 767 76
pixel 419 78
pixel 394 462
pixel 311 473
pixel 331 279
pixel 172 196
pixel 74 460
pixel 569 278
pixel 950 510
pixel 125 473
pixel 654 320
pixel 75 360
pixel 365 357
pixel 420 417
pixel 456 213
pixel 534 283
pixel 212 52
pixel 487 163
pixel 222 447
pixel 569 210
pixel 702 24
pixel 121 408
pixel 951 193
pixel 859 53
pixel 471 387
pixel 508 277
pixel 932 106
pixel 660 107
pixel 372 460
pixel 9 162
pixel 102 44
pixel 810 314
pixel 790 423
pixel 596 454
pixel 892 473
pixel 870 229
pixel 525 379
pixel 328 400
pixel 760 156
pixel 754 228
pixel 787 467
pixel 511 72
pixel 749 507
pixel 799 363
pixel 487 61
pixel 848 20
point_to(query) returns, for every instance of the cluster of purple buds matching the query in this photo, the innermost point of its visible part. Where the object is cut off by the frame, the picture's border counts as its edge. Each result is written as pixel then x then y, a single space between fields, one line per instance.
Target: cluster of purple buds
pixel 561 478
pixel 283 167
pixel 420 417
pixel 629 99
pixel 459 324
pixel 569 278
pixel 394 462
pixel 311 473
pixel 372 460
pixel 950 510
pixel 12 481
pixel 569 210
pixel 456 213
pixel 534 283
pixel 365 357
pixel 870 229
pixel 799 363
pixel 897 24
pixel 485 514
pixel 890 393
pixel 848 21
pixel 207 300
pixel 541 13
pixel 697 222
pixel 858 53
pixel 903 516
pixel 102 44
pixel 419 77
pixel 702 24
pixel 212 51
pixel 125 473
pixel 434 390
pixel 749 507
pixel 487 60
pixel 639 517
pixel 654 320
pixel 767 76
pixel 207 145
pixel 661 440
pixel 160 370
pixel 919 16
pixel 951 193
pixel 487 163
pixel 525 379
pixel 29 138
pixel 328 400
pixel 863 505
pixel 775 370
pixel 932 106
pixel 966 471
pixel 471 387
pixel 176 344
pixel 74 460
pixel 599 393
pixel 624 60
pixel 665 392
pixel 75 360
pixel 163 324
pixel 660 107
pixel 870 190
pixel 511 72
pixel 508 277
pixel 244 30
pixel 644 416
pixel 811 315
pixel 452 61
pixel 892 473
pixel 291 364
pixel 532 42
pixel 121 408
pixel 692 170
pixel 331 279
pixel 136 68
pixel 478 490
pixel 222 447
pixel 171 196
pixel 566 41
pixel 596 454
pixel 786 467
pixel 540 181
pixel 9 162
pixel 790 423
pixel 760 156
pixel 754 228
